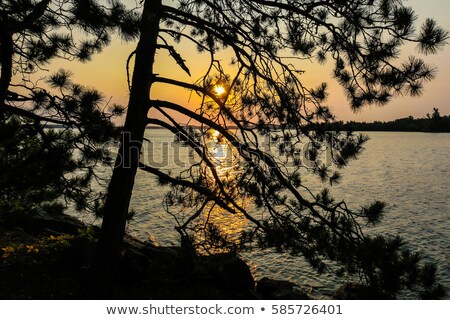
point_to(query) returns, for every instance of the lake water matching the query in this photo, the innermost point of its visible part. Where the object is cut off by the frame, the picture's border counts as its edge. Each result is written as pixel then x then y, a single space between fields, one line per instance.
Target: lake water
pixel 409 171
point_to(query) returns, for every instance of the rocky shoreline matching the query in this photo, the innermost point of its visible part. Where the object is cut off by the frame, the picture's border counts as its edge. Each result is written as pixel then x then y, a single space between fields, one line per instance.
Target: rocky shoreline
pixel 64 248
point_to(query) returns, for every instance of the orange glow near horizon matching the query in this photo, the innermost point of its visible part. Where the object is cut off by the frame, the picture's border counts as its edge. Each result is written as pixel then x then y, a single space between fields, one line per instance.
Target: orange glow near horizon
pixel 106 72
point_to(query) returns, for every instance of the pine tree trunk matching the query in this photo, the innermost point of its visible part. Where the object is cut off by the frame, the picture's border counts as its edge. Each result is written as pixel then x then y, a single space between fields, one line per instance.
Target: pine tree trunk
pixel 122 180
pixel 6 55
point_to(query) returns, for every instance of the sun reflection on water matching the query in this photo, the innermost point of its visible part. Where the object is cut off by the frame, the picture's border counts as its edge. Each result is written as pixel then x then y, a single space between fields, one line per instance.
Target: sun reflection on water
pixel 223 157
pixel 220 152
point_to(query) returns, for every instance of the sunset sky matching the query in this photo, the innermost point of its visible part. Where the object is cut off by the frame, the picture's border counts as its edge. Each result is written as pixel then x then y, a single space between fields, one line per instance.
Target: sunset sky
pixel 107 73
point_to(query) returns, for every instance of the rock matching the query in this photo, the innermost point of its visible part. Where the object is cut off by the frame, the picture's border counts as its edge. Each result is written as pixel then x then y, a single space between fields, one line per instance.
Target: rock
pixel 135 265
pixel 280 290
pixel 230 272
pixel 237 274
pixel 36 222
pixel 140 259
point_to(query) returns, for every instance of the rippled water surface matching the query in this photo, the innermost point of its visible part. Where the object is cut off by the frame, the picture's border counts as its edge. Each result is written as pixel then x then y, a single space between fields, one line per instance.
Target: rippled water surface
pixel 409 171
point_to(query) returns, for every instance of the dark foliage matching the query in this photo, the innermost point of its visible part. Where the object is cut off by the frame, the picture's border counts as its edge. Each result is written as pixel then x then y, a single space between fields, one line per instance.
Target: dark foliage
pixel 42 167
pixel 264 96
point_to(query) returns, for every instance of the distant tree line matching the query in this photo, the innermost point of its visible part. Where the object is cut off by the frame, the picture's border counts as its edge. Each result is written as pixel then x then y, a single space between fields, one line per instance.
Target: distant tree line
pixel 430 123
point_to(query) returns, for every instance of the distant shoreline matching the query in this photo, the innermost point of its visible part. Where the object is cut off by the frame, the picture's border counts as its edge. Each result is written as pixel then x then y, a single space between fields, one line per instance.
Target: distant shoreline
pixel 431 123
pixel 346 127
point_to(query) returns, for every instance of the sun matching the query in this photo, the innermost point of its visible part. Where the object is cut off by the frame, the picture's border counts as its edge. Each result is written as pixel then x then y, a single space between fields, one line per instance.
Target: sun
pixel 219 90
